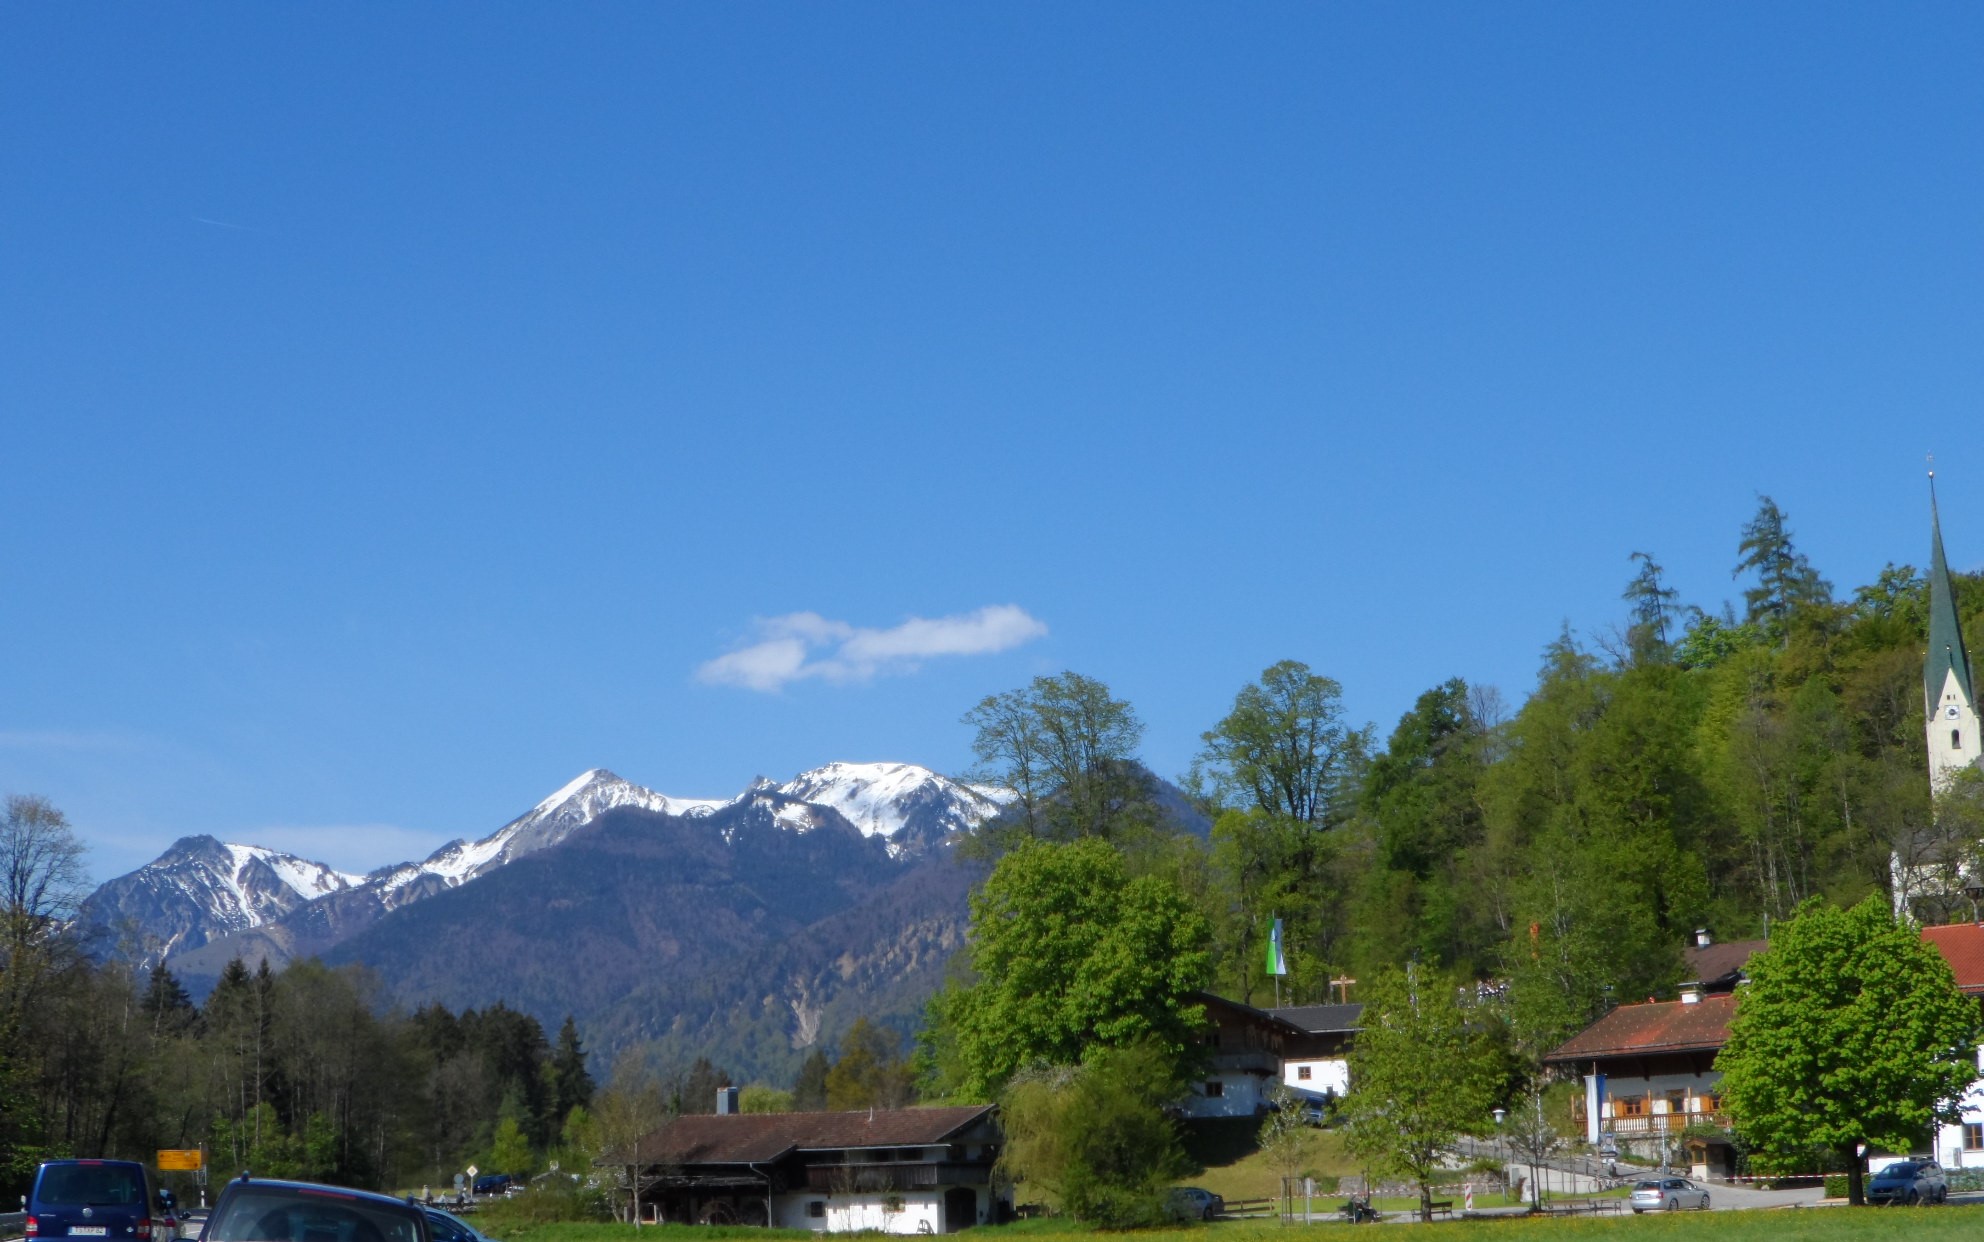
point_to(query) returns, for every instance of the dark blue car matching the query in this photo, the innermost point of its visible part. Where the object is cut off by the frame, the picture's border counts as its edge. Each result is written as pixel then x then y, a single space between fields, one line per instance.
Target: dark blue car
pixel 108 1199
pixel 1910 1182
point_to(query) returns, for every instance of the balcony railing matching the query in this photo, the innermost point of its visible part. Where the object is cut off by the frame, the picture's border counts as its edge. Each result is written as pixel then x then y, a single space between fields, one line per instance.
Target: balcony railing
pixel 856 1178
pixel 1653 1124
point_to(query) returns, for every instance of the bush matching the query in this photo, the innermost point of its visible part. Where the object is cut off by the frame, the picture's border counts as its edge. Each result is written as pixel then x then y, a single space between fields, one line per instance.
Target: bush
pixel 1097 1137
pixel 1836 1186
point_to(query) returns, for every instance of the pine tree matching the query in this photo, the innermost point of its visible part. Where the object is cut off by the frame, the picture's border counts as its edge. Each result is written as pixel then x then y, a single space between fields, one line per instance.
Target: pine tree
pixel 573 1084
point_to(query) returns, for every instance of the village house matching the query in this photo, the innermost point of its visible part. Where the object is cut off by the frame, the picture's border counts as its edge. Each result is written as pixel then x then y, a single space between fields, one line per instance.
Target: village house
pixel 907 1170
pixel 1250 1051
pixel 1316 1063
pixel 1961 1145
pixel 1245 1050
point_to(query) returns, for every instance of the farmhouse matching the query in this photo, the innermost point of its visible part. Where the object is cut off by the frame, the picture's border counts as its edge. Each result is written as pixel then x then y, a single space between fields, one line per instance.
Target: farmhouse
pixel 907 1170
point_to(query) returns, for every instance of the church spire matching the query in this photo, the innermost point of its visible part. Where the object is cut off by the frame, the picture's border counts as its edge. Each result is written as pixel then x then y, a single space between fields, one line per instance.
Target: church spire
pixel 1946 655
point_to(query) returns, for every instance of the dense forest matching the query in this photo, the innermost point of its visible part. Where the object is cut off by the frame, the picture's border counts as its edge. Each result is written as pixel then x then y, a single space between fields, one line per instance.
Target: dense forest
pixel 1688 768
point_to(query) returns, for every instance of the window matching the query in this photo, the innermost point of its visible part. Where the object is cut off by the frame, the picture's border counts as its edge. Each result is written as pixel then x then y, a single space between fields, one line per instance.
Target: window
pixel 1973 1136
pixel 816 1208
pixel 1215 1089
pixel 1956 739
pixel 1632 1106
pixel 1302 1072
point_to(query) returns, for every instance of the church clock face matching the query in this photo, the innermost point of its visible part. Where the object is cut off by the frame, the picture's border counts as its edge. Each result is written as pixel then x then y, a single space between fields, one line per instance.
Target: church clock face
pixel 1952 712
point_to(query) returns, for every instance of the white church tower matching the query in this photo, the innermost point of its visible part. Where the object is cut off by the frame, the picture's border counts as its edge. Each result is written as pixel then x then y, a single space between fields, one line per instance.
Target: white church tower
pixel 1955 739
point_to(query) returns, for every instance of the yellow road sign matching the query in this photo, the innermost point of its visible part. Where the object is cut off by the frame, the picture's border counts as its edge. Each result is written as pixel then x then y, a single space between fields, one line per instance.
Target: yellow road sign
pixel 188 1161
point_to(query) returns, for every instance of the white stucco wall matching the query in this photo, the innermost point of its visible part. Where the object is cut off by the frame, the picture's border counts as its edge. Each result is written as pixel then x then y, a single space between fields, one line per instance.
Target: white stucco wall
pixel 1327 1074
pixel 922 1211
pixel 1240 1096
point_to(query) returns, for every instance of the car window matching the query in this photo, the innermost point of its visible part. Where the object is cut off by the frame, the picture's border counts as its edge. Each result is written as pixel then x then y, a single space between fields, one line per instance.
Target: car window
pixel 309 1216
pixel 97 1185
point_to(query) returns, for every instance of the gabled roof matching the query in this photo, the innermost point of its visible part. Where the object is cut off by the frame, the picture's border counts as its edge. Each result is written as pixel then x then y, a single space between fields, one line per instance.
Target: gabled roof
pixel 1962 946
pixel 1946 653
pixel 1650 1028
pixel 1323 1019
pixel 1270 1018
pixel 756 1138
pixel 1718 966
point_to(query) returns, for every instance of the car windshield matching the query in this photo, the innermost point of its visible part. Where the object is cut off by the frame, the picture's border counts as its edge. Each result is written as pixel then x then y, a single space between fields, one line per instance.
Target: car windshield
pixel 1646 1186
pixel 101 1185
pixel 1896 1173
pixel 278 1215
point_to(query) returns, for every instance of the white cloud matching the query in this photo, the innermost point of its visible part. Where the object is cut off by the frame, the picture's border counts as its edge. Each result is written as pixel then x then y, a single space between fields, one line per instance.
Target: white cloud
pixel 803 645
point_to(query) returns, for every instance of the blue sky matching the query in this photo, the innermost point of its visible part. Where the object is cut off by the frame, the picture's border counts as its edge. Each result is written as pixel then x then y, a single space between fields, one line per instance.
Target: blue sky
pixel 403 403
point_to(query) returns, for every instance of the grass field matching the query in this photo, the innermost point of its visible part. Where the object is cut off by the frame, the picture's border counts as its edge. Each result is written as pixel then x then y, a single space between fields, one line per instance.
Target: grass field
pixel 1804 1225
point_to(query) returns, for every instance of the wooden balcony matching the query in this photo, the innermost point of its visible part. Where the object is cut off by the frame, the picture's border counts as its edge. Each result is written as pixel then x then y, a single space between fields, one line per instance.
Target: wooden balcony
pixel 905 1175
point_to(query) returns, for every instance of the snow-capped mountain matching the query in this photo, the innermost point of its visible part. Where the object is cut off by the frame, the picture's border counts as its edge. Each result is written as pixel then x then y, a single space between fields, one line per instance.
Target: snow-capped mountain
pixel 201 889
pixel 913 807
pixel 583 799
pixel 190 907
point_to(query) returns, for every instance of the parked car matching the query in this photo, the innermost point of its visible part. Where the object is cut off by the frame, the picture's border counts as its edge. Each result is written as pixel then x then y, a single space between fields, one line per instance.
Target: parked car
pixel 494 1184
pixel 109 1199
pixel 191 1221
pixel 1667 1194
pixel 1191 1203
pixel 256 1210
pixel 1910 1182
pixel 448 1227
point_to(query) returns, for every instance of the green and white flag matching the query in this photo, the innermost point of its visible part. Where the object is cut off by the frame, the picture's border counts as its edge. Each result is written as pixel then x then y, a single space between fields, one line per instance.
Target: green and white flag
pixel 1277 960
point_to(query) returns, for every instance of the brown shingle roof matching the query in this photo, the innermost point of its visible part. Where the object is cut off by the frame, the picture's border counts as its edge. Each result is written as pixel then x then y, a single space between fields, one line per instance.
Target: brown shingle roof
pixel 1962 946
pixel 1656 1026
pixel 754 1138
pixel 1719 962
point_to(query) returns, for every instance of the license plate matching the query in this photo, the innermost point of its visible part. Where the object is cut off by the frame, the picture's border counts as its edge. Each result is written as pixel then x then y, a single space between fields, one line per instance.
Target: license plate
pixel 88 1231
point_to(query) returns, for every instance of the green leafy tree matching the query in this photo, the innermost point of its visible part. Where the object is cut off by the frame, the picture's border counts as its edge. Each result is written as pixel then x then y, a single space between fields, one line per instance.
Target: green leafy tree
pixel 1096 1136
pixel 1067 748
pixel 758 1098
pixel 1420 1078
pixel 1283 749
pixel 509 1150
pixel 1071 955
pixel 871 1071
pixel 1850 1031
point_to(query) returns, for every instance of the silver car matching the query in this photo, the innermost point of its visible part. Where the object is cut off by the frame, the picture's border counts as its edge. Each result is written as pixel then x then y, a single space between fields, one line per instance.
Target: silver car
pixel 1667 1194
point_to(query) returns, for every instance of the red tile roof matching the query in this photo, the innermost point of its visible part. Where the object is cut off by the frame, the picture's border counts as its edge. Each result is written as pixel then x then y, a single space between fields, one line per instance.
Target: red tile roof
pixel 753 1138
pixel 1962 946
pixel 1656 1026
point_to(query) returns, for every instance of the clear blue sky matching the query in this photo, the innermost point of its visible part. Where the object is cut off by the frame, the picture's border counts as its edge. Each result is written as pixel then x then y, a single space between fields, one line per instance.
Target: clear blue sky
pixel 402 404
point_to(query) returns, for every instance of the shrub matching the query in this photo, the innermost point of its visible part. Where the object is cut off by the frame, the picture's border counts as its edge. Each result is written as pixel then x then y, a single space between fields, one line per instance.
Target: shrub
pixel 1835 1185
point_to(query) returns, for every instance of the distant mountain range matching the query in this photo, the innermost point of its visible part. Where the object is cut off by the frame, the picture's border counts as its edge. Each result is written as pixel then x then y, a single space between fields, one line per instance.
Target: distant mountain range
pixel 747 929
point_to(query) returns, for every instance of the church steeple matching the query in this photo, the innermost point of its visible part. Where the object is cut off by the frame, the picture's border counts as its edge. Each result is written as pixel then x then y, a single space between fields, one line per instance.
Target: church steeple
pixel 1946 654
pixel 1956 739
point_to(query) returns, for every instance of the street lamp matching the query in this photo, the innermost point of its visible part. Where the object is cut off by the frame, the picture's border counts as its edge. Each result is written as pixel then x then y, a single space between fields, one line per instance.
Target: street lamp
pixel 1502 1148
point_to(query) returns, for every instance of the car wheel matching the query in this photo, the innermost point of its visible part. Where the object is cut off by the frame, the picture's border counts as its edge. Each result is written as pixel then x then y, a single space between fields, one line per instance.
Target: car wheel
pixel 1673 1205
pixel 1913 1199
pixel 1704 1203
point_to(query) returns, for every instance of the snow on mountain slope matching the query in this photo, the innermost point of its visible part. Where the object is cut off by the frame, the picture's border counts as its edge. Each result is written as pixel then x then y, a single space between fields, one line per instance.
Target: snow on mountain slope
pixel 201 889
pixel 884 799
pixel 579 802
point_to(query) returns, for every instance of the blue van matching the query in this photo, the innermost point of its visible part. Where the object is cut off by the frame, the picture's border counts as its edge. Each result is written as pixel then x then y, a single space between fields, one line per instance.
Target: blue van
pixel 108 1199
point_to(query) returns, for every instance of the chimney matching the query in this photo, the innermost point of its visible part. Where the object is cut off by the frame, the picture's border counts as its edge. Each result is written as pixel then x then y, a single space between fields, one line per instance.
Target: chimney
pixel 1691 994
pixel 726 1101
pixel 1702 939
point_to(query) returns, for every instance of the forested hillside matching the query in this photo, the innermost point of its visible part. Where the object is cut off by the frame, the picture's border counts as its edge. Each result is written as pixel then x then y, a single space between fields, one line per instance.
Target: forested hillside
pixel 1686 768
